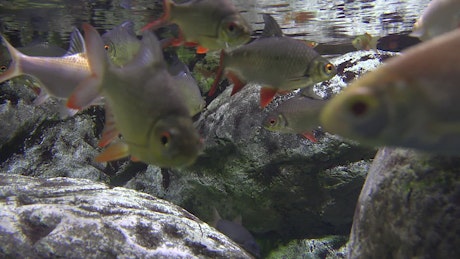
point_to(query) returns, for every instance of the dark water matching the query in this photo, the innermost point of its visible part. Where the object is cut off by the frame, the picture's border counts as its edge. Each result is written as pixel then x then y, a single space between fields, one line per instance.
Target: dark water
pixel 324 21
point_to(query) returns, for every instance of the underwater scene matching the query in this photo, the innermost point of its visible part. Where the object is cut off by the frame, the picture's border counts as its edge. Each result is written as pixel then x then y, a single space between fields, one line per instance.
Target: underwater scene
pixel 229 129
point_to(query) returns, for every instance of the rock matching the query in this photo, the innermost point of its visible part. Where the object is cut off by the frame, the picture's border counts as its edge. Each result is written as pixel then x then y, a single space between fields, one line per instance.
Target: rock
pixel 326 247
pixel 70 218
pixel 409 207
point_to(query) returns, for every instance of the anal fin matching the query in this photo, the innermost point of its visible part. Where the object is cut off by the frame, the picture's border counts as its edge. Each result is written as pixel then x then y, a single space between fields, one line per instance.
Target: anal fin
pixel 113 152
pixel 266 96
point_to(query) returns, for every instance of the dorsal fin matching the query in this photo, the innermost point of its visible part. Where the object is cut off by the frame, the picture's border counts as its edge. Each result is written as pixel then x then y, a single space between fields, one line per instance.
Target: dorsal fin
pixel 129 27
pixel 215 217
pixel 150 52
pixel 77 43
pixel 271 28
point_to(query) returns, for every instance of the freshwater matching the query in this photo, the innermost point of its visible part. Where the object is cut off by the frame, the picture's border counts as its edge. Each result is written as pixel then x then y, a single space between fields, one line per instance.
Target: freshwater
pixel 324 21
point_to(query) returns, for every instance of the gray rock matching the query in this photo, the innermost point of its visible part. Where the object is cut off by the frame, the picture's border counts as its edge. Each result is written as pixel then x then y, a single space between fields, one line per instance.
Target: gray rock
pixel 409 207
pixel 327 247
pixel 70 218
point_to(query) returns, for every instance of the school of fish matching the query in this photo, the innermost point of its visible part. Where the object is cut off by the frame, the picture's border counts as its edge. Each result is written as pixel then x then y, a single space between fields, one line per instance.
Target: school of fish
pixel 150 97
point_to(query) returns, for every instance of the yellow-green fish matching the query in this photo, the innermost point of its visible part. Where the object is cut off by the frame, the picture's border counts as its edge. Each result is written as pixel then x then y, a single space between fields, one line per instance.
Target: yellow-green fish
pixel 280 64
pixel 142 104
pixel 298 115
pixel 57 75
pixel 439 17
pixel 121 43
pixel 410 101
pixel 210 24
pixel 187 85
pixel 365 42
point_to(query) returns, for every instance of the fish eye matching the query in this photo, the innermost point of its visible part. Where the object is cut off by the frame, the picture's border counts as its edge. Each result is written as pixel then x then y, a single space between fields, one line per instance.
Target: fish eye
pixel 231 26
pixel 165 138
pixel 3 68
pixel 359 108
pixel 272 121
pixel 106 46
pixel 329 68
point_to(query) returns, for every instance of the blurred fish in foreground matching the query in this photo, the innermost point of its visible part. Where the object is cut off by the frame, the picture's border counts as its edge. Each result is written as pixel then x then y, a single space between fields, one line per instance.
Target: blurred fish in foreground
pixel 236 232
pixel 365 42
pixel 439 17
pixel 298 115
pixel 57 75
pixel 280 64
pixel 410 101
pixel 210 24
pixel 142 105
pixel 187 85
pixel 121 43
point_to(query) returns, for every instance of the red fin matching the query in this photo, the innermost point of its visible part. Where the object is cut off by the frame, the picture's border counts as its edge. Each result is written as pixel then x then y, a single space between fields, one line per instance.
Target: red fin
pixel 220 71
pixel 266 96
pixel 310 136
pixel 113 152
pixel 84 94
pixel 110 131
pixel 237 83
pixel 201 50
pixel 135 159
pixel 163 20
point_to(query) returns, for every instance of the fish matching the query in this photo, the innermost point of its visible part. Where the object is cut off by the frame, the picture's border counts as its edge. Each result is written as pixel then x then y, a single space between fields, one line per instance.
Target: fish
pixel 365 42
pixel 187 85
pixel 297 115
pixel 210 24
pixel 410 101
pixel 440 16
pixel 397 42
pixel 141 104
pixel 280 64
pixel 58 76
pixel 121 43
pixel 236 232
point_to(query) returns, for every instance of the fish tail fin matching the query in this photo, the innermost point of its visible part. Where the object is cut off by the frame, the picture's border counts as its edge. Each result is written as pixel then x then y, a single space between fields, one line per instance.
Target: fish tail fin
pixel 163 20
pixel 219 74
pixel 88 90
pixel 14 68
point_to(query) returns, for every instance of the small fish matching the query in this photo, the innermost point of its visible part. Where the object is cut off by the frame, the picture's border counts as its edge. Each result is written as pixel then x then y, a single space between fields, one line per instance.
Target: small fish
pixel 187 85
pixel 298 115
pixel 280 64
pixel 236 232
pixel 365 42
pixel 410 101
pixel 397 42
pixel 299 17
pixel 439 17
pixel 142 104
pixel 121 43
pixel 210 24
pixel 57 75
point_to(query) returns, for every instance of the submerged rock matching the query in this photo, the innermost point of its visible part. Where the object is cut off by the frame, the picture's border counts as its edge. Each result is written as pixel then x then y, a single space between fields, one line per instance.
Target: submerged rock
pixel 69 218
pixel 409 207
pixel 330 247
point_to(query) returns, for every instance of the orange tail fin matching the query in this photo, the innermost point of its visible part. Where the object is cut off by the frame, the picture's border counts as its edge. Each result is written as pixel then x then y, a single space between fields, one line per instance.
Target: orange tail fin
pixel 163 20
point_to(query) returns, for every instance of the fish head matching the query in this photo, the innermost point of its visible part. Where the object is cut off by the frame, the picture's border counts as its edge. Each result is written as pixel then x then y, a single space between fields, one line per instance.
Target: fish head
pixel 321 70
pixel 358 43
pixel 121 43
pixel 234 31
pixel 275 122
pixel 175 141
pixel 361 112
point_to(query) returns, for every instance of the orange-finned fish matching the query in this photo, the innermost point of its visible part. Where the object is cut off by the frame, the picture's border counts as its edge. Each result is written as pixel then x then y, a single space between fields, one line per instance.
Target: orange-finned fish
pixel 278 63
pixel 298 115
pixel 142 104
pixel 57 75
pixel 410 101
pixel 365 42
pixel 210 24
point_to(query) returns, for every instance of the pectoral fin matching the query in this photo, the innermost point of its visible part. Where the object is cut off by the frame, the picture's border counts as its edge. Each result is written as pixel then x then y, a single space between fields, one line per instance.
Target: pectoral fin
pixel 110 131
pixel 113 152
pixel 238 84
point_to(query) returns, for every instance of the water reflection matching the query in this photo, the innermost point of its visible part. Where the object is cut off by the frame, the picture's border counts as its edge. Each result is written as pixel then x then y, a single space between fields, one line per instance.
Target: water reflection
pixel 325 21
